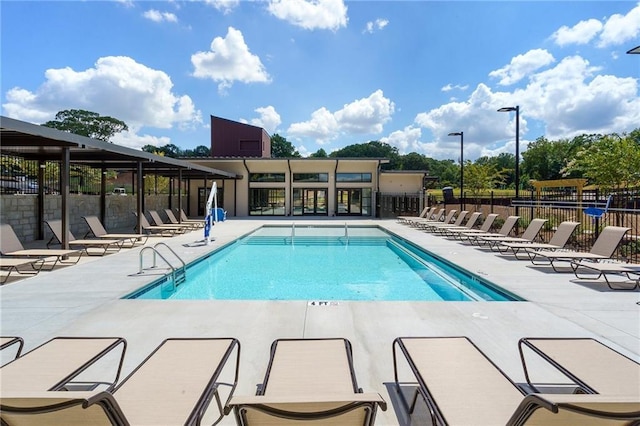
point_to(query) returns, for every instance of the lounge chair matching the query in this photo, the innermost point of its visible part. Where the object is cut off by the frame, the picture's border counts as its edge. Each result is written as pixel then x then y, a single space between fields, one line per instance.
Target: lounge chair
pixel 433 217
pixel 14 342
pixel 426 212
pixel 191 223
pixel 164 231
pixel 434 226
pixel 424 224
pixel 97 230
pixel 558 241
pixel 462 386
pixel 591 366
pixel 157 221
pixel 528 236
pixel 21 266
pixel 102 245
pixel 312 380
pixel 603 249
pixel 444 228
pixel 56 364
pixel 10 245
pixel 173 386
pixel 473 236
pixel 630 270
pixel 458 233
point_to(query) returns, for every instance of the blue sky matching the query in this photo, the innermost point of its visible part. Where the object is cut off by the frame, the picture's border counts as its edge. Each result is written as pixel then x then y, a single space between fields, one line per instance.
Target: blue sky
pixel 329 73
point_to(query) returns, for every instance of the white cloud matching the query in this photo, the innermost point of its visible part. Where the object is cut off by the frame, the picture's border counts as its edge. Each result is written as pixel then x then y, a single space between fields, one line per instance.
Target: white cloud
pixel 269 119
pixel 229 60
pixel 117 86
pixel 450 87
pixel 378 24
pixel 224 6
pixel 406 140
pixel 522 65
pixel 362 116
pixel 157 16
pixel 323 127
pixel 311 15
pixel 133 140
pixel 620 28
pixel 581 33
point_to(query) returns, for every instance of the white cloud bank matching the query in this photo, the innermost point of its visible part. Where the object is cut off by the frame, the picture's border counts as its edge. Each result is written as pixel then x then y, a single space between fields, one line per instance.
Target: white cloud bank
pixel 157 16
pixel 311 15
pixel 116 86
pixel 268 119
pixel 363 116
pixel 229 60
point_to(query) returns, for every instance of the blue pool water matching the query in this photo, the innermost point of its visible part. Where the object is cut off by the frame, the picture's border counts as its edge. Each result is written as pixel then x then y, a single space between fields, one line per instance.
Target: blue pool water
pixel 324 264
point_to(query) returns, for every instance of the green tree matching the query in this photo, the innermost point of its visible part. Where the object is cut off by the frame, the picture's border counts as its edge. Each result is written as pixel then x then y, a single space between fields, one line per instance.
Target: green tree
pixel 372 149
pixel 282 148
pixel 612 162
pixel 321 153
pixel 87 123
pixel 198 151
pixel 479 178
pixel 414 161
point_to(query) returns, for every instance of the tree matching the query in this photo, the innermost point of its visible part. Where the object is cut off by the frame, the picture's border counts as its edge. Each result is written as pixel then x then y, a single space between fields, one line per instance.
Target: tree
pixel 372 149
pixel 282 148
pixel 87 123
pixel 481 177
pixel 321 153
pixel 613 162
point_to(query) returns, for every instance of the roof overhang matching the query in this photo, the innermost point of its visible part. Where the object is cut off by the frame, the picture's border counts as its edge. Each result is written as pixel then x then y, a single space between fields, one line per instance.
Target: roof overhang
pixel 35 142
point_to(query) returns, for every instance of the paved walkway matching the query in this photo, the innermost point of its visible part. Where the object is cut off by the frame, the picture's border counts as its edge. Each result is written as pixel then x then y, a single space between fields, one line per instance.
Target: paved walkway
pixel 85 300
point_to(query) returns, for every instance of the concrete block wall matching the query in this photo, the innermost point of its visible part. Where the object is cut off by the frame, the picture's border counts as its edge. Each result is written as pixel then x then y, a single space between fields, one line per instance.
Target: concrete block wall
pixel 20 212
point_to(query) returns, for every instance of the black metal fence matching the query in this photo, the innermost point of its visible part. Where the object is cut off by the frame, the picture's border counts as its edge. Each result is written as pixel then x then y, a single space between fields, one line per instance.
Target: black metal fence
pixel 593 209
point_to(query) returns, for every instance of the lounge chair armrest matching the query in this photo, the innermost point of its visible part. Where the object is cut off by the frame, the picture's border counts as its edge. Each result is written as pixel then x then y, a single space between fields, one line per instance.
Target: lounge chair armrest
pixel 576 406
pixel 289 403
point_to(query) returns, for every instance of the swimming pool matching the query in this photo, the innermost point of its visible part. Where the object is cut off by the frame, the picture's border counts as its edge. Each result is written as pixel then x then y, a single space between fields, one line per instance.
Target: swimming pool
pixel 324 263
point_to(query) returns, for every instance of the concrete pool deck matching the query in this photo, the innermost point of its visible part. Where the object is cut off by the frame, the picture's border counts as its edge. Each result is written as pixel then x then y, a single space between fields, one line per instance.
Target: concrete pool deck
pixel 85 300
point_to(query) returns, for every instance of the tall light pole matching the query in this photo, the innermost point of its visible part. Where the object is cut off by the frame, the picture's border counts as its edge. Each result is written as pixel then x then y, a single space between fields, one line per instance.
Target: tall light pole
pixel 517 179
pixel 635 50
pixel 461 134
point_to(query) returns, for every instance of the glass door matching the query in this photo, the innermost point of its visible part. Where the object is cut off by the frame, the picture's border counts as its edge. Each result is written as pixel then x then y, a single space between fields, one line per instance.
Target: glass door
pixel 308 201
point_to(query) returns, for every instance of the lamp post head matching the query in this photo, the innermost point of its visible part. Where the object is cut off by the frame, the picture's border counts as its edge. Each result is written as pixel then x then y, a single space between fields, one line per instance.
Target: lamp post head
pixel 455 134
pixel 635 50
pixel 508 109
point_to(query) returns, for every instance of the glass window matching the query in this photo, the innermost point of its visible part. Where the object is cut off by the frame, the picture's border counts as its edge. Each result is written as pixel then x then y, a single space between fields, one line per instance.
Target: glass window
pixel 266 177
pixel 353 177
pixel 311 177
pixel 267 202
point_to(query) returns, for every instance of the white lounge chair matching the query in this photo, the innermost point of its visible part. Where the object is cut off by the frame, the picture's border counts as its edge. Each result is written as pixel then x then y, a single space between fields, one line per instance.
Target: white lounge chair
pixel 558 241
pixel 604 269
pixel 11 246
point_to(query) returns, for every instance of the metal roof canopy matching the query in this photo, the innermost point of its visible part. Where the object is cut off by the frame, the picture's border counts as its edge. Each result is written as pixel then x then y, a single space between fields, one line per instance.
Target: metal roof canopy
pixel 34 142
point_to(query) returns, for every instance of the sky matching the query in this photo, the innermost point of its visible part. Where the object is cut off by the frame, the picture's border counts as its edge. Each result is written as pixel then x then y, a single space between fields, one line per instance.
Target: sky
pixel 328 73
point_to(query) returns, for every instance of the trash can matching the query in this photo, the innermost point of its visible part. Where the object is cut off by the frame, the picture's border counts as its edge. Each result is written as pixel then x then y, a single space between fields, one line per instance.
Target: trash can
pixel 447 193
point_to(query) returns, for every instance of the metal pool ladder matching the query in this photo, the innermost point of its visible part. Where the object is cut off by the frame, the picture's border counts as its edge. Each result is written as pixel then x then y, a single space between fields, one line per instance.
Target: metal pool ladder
pixel 179 274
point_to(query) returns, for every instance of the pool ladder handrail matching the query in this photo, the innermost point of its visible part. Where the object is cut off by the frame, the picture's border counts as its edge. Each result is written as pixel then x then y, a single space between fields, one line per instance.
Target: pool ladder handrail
pixel 178 275
pixel 346 232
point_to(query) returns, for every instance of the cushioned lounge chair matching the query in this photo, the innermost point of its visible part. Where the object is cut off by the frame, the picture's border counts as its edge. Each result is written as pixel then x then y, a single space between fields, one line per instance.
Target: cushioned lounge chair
pixel 21 266
pixel 458 233
pixel 462 386
pixel 10 245
pixel 58 363
pixel 157 221
pixel 101 245
pixel 191 223
pixel 97 230
pixel 308 379
pixel 558 241
pixel 473 236
pixel 528 236
pixel 173 386
pixel 630 270
pixel 164 231
pixel 590 365
pixel 13 342
pixel 603 248
pixel 434 226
